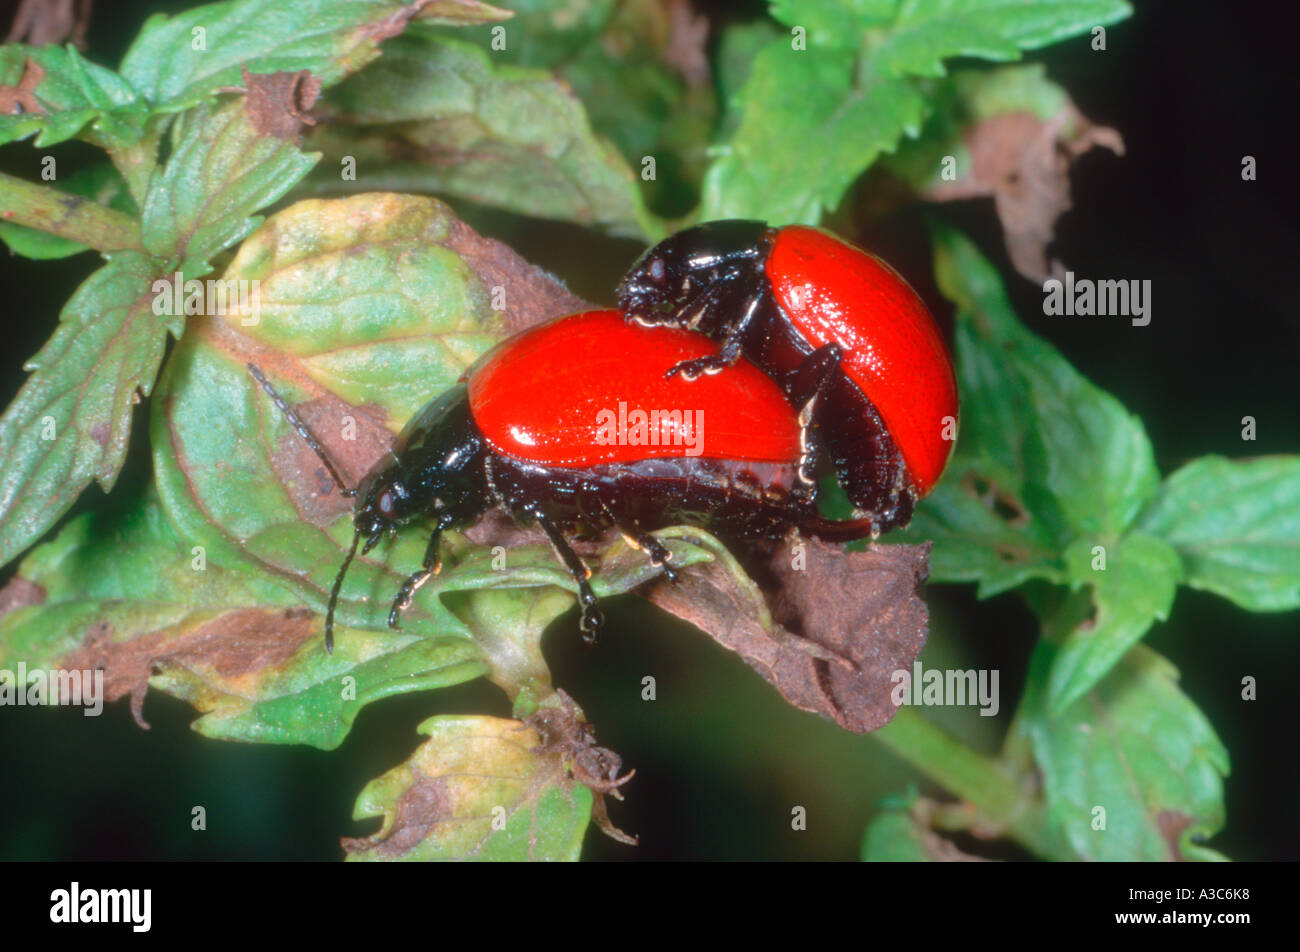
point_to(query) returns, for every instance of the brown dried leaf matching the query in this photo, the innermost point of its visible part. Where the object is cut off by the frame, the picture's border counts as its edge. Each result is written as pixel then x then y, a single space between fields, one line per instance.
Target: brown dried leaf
pixel 19 593
pixel 1023 162
pixel 687 47
pixel 21 99
pixel 531 295
pixel 446 12
pixel 245 641
pixel 277 103
pixel 858 615
pixel 479 788
pixel 564 730
pixel 39 22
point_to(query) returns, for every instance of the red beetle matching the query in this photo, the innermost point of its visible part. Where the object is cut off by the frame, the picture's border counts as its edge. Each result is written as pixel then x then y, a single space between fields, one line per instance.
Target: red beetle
pixel 816 313
pixel 578 426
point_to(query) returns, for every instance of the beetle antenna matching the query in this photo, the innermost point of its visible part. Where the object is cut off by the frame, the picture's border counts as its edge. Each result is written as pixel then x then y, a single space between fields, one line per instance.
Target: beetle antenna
pixel 301 428
pixel 334 592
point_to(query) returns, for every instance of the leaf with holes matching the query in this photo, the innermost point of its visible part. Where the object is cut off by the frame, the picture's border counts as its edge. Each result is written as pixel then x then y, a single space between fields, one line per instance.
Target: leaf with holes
pixel 478 788
pixel 1132 770
pixel 1133 584
pixel 1043 458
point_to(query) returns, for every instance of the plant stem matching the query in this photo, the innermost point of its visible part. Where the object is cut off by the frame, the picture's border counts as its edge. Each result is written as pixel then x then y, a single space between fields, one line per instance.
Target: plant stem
pixel 68 216
pixel 136 162
pixel 973 777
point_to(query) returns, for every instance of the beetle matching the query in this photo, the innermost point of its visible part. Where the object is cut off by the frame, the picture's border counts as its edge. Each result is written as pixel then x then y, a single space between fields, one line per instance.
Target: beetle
pixel 533 428
pixel 800 302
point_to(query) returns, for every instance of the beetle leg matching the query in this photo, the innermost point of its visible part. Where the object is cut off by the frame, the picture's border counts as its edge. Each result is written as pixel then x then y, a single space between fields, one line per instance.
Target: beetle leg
pixel 732 341
pixel 432 566
pixel 814 376
pixel 592 618
pixel 660 555
pixel 811 381
pixel 334 592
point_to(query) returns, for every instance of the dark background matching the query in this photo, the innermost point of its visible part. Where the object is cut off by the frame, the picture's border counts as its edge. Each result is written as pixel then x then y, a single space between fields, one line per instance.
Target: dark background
pixel 720 759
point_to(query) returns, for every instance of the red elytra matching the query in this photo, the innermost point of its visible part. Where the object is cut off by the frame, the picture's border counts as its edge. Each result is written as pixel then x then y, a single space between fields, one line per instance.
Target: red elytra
pixel 527 408
pixel 834 291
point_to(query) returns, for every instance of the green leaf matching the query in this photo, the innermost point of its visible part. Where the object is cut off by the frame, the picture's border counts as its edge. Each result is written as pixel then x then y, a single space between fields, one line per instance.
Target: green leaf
pixel 71 420
pixel 360 302
pixel 507 136
pixel 738 47
pixel 1055 456
pixel 834 22
pixel 1134 589
pixel 925 32
pixel 1135 747
pixel 123 592
pixel 979 536
pixel 644 80
pixel 100 183
pixel 178 61
pixel 894 837
pixel 640 69
pixel 139 582
pixel 75 94
pixel 221 171
pixel 979 514
pixel 1236 525
pixel 811 123
pixel 547 34
pixel 477 789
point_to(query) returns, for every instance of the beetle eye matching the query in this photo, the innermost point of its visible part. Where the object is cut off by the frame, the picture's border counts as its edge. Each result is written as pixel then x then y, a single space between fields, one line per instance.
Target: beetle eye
pixel 386 503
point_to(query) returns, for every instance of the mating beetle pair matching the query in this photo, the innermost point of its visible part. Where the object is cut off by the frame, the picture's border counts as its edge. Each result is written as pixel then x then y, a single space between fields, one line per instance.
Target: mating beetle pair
pixel 775 344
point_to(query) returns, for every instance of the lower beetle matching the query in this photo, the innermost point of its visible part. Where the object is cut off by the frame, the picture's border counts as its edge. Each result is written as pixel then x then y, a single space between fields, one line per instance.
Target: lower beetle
pixel 577 426
pixel 800 301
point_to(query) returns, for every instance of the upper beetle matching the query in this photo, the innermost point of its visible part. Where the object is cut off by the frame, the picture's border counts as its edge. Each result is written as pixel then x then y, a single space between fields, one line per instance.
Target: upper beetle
pixel 812 309
pixel 576 425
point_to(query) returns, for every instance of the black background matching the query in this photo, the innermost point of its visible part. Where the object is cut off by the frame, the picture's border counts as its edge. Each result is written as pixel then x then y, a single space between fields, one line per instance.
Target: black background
pixel 1192 87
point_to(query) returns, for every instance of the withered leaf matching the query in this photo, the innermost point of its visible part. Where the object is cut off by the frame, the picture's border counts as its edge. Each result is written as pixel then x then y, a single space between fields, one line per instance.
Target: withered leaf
pixel 240 642
pixel 1023 162
pixel 21 99
pixel 478 788
pixel 531 295
pixel 840 625
pixel 39 22
pixel 277 103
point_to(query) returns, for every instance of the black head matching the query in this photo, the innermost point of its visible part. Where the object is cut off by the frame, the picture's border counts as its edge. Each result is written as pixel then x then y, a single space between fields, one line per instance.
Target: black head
pixel 434 471
pixel 657 289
